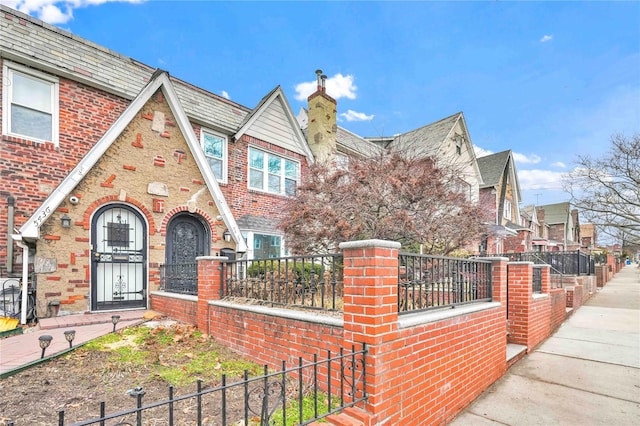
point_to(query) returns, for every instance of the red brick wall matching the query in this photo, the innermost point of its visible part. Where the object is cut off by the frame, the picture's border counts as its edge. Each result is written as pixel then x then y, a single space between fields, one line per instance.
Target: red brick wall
pixel 529 313
pixel 574 297
pixel 425 373
pixel 30 171
pixel 558 309
pixel 175 307
pixel 242 200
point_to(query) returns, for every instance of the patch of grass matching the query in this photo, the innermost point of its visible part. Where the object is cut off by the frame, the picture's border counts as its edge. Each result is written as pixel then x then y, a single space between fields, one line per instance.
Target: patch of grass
pixel 308 410
pixel 179 355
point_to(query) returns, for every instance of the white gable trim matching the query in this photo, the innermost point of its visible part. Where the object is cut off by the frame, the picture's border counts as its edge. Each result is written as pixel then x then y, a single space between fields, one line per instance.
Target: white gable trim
pixel 31 229
pixel 467 140
pixel 278 95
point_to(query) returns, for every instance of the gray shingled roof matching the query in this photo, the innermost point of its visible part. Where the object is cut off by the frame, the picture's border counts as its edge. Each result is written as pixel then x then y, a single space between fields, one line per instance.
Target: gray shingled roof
pixel 354 144
pixel 257 223
pixel 427 139
pixel 32 42
pixel 492 168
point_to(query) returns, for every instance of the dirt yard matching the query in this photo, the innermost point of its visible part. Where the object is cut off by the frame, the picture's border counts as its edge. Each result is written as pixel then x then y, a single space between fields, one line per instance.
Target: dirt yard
pixel 110 368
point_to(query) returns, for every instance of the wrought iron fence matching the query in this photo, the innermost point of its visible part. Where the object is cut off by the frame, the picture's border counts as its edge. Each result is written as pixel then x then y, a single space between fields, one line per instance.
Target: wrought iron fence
pixel 179 278
pixel 537 280
pixel 314 282
pixel 431 282
pixel 327 386
pixel 561 262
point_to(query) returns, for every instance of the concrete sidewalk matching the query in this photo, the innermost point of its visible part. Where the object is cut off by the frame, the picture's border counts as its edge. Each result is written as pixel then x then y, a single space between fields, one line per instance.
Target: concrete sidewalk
pixel 587 373
pixel 21 350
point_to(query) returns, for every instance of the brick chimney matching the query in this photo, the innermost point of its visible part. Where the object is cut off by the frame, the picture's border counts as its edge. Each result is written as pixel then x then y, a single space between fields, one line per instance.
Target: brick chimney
pixel 322 129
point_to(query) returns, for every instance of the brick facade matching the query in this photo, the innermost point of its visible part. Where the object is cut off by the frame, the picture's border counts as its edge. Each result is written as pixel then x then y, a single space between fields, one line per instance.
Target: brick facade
pixel 31 171
pixel 124 175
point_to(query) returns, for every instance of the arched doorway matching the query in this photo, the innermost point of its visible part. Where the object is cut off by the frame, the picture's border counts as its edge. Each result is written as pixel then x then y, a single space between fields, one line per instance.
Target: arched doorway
pixel 188 236
pixel 118 258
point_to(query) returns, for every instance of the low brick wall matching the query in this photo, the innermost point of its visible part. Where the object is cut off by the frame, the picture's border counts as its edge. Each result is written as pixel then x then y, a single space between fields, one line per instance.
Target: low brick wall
pixel 574 297
pixel 179 307
pixel 558 308
pixel 529 313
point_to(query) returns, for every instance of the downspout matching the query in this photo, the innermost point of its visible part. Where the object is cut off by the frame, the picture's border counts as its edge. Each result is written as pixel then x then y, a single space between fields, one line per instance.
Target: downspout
pixel 25 281
pixel 10 222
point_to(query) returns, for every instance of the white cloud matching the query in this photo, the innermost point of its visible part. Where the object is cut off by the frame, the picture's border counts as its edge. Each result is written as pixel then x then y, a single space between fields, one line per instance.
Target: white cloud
pixel 225 94
pixel 338 86
pixel 480 152
pixel 559 164
pixel 540 179
pixel 545 38
pixel 524 159
pixel 56 11
pixel 352 115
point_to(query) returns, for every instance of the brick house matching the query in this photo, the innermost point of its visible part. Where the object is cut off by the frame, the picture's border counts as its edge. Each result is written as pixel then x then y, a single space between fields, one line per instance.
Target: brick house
pixel 564 226
pixel 500 194
pixel 111 169
pixel 539 231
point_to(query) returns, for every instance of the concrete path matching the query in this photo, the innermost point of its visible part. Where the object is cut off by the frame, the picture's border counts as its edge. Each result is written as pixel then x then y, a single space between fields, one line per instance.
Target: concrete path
pixel 587 373
pixel 22 350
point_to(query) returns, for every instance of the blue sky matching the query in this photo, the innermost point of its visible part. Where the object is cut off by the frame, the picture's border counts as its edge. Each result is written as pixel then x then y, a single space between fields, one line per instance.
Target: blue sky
pixel 548 80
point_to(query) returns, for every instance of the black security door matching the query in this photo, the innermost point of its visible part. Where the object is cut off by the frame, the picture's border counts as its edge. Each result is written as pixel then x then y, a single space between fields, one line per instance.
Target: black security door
pixel 187 238
pixel 118 259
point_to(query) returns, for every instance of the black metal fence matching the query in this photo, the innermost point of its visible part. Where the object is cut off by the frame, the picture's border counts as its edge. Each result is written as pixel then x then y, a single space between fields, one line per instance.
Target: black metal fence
pixel 561 262
pixel 313 282
pixel 430 282
pixel 537 280
pixel 324 387
pixel 179 278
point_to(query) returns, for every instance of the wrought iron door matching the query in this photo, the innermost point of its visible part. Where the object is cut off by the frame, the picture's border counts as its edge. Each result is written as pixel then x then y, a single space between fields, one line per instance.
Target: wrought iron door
pixel 119 259
pixel 187 238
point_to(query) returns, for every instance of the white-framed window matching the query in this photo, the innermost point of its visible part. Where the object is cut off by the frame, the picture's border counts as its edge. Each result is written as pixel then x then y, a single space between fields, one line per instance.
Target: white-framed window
pixel 271 173
pixel 507 210
pixel 214 146
pixel 263 246
pixel 29 104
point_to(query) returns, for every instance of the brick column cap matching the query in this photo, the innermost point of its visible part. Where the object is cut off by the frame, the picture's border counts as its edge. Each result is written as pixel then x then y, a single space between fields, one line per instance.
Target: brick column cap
pixel 539 265
pixel 520 262
pixel 370 243
pixel 493 258
pixel 211 258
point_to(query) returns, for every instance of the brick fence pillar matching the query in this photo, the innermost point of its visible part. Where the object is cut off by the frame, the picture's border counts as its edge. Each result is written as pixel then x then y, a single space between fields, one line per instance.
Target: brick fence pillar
pixel 520 276
pixel 371 312
pixel 545 274
pixel 499 279
pixel 209 284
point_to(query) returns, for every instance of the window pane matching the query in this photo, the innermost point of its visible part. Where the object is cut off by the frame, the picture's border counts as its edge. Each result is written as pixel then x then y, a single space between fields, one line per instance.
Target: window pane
pixel 290 169
pixel 274 183
pixel 213 145
pixel 32 93
pixel 28 122
pixel 274 165
pixel 290 187
pixel 266 246
pixel 256 179
pixel 256 159
pixel 216 167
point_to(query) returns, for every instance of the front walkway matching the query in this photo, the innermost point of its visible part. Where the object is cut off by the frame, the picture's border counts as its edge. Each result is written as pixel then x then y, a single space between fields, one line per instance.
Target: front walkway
pixel 587 373
pixel 21 350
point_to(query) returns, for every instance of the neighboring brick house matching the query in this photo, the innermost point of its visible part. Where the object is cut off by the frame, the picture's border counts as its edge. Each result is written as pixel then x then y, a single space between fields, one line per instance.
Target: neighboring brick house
pixel 500 195
pixel 539 231
pixel 110 169
pixel 564 226
pixel 588 236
